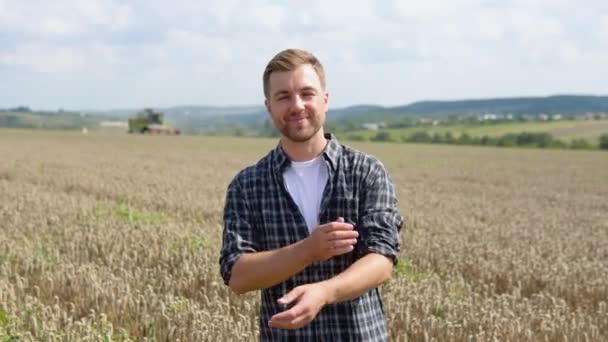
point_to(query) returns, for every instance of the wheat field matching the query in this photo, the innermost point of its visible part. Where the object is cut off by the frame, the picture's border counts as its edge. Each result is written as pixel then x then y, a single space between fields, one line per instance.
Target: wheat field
pixel 111 237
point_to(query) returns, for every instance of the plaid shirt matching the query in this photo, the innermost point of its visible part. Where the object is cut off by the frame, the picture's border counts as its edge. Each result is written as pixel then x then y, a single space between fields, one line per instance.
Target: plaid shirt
pixel 260 215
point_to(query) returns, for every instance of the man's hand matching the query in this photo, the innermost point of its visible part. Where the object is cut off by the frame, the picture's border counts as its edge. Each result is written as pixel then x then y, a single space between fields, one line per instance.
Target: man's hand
pixel 331 239
pixel 280 264
pixel 309 299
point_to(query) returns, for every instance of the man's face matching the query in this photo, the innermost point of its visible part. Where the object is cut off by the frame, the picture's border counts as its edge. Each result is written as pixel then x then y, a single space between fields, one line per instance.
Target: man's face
pixel 297 103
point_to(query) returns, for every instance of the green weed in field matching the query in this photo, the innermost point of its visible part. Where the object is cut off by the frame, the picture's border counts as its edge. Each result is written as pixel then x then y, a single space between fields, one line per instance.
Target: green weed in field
pixel 43 253
pixel 131 215
pixel 6 258
pixel 191 245
pixel 404 269
pixel 6 320
pixel 440 310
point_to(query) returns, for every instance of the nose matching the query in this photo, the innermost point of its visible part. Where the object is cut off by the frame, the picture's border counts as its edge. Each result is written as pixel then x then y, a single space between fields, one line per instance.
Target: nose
pixel 297 103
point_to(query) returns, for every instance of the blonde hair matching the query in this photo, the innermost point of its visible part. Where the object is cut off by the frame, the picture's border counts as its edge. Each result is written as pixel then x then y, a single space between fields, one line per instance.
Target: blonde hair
pixel 291 59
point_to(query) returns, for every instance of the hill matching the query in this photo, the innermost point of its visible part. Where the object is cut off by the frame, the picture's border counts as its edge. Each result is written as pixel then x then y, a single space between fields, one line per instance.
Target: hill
pixel 559 104
pixel 253 120
pixel 564 130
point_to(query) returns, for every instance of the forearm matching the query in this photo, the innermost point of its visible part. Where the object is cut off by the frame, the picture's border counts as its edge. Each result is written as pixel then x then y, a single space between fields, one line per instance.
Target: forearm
pixel 253 271
pixel 368 272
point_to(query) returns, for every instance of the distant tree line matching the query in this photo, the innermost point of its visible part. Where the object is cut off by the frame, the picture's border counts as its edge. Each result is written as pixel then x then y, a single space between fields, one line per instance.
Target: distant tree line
pixel 24 117
pixel 524 139
pixel 19 109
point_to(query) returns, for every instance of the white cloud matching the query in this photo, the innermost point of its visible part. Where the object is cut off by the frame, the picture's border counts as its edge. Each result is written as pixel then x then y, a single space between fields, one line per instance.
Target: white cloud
pixel 198 46
pixel 63 17
pixel 213 52
pixel 45 59
pixel 602 32
pixel 270 17
pixel 431 8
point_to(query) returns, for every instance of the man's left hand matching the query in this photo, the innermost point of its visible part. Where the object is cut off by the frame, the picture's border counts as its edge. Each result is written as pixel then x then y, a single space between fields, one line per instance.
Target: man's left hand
pixel 309 299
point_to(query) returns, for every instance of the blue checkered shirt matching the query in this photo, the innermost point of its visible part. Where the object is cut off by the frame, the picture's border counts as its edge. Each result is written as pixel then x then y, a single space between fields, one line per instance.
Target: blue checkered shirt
pixel 260 215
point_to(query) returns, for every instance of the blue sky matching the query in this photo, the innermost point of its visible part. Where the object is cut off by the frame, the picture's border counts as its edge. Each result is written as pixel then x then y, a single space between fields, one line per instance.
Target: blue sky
pixel 104 54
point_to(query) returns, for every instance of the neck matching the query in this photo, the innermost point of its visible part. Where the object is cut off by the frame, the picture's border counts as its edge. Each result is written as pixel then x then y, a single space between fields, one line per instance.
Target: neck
pixel 305 150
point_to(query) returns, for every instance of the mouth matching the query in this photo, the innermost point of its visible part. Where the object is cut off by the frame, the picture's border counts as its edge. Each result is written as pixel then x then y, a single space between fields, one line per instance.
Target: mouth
pixel 296 120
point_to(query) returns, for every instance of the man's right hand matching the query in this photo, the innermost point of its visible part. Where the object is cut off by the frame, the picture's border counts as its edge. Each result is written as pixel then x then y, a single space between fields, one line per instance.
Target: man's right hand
pixel 330 239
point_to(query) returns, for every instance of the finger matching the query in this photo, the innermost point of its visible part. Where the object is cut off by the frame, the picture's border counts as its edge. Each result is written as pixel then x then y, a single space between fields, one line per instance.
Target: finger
pixel 300 321
pixel 343 243
pixel 342 235
pixel 279 324
pixel 287 315
pixel 291 296
pixel 342 250
pixel 282 318
pixel 295 323
pixel 335 226
pixel 340 219
pixel 293 318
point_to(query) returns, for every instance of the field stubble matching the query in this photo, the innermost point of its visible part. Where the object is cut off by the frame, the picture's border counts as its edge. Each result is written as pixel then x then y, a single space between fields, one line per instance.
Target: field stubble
pixel 112 237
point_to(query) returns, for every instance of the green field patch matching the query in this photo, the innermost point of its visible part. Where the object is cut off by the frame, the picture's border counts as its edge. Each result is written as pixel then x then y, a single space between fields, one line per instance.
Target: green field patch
pixel 6 259
pixel 7 323
pixel 5 319
pixel 192 245
pixel 43 253
pixel 122 212
pixel 567 130
pixel 440 310
pixel 129 214
pixel 105 330
pixel 405 269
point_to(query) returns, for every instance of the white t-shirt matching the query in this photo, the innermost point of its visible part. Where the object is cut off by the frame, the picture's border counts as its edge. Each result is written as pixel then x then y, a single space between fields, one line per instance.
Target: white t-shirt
pixel 306 182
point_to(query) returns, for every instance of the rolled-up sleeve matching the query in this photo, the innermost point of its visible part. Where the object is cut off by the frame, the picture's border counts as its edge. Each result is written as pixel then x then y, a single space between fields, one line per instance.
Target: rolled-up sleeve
pixel 238 235
pixel 380 221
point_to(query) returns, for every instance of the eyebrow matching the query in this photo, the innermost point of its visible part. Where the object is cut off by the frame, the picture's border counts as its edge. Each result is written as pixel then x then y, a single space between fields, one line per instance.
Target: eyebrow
pixel 309 88
pixel 283 92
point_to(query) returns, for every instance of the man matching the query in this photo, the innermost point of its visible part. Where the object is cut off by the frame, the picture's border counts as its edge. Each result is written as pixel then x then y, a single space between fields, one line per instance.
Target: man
pixel 314 224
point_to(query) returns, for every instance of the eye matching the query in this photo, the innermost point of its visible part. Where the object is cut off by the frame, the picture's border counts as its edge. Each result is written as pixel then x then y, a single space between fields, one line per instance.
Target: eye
pixel 281 96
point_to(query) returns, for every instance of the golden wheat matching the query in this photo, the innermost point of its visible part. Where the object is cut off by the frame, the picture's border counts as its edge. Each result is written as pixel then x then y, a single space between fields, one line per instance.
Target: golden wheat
pixel 116 238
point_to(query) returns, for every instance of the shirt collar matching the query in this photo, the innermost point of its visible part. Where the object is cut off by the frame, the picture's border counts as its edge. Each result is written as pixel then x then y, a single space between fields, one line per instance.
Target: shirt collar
pixel 331 153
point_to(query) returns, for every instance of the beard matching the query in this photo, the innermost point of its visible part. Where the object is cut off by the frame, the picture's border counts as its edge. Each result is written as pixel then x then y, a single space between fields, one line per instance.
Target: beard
pixel 300 132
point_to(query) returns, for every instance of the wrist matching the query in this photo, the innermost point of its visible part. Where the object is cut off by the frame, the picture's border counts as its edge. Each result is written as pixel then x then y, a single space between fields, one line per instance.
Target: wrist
pixel 331 292
pixel 304 252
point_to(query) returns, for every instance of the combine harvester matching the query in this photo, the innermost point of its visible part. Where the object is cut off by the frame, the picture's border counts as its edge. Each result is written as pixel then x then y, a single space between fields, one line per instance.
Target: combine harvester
pixel 149 121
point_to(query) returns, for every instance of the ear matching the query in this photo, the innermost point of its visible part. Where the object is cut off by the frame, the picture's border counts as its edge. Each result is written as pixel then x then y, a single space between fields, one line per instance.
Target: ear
pixel 326 101
pixel 267 105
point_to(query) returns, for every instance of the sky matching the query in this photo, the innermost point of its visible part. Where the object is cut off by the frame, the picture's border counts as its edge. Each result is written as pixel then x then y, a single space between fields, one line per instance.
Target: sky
pixel 109 54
